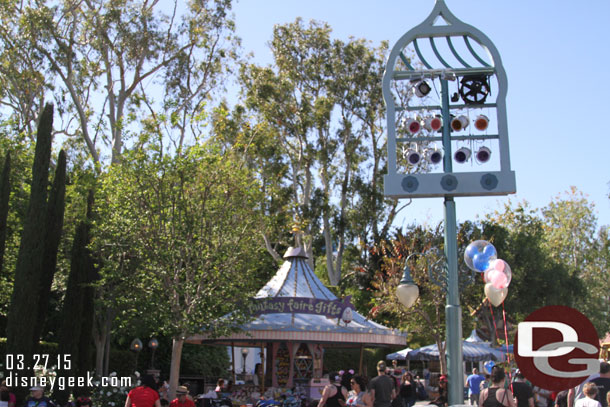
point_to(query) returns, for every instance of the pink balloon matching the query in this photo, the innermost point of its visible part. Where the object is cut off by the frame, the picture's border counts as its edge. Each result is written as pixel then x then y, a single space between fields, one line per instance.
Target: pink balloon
pixel 498 279
pixel 499 266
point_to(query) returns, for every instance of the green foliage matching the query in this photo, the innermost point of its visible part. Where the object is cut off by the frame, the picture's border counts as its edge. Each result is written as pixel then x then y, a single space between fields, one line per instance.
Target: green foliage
pixel 345 359
pixel 78 54
pixel 23 310
pixel 52 238
pixel 5 190
pixel 22 153
pixel 182 226
pixel 556 255
pixel 210 361
pixel 321 105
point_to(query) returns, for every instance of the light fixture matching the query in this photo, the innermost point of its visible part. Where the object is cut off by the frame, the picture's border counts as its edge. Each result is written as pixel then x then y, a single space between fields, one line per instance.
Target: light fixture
pixel 407 291
pixel 483 155
pixel 136 345
pixel 462 155
pixel 412 126
pixel 459 123
pixel 474 89
pixel 153 344
pixel 433 123
pixel 434 156
pixel 421 89
pixel 413 156
pixel 481 122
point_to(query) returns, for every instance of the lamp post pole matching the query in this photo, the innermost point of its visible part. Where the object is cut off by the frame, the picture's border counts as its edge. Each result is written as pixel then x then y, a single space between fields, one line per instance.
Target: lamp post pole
pixel 136 346
pixel 153 344
pixel 412 62
pixel 244 354
pixel 453 310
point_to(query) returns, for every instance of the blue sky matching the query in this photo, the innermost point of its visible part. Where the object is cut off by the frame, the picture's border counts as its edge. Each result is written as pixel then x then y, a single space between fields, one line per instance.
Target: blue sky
pixel 557 58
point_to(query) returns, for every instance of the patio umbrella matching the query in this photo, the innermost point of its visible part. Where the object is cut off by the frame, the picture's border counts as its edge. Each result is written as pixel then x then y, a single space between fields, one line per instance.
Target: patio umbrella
pixel 472 352
pixel 400 355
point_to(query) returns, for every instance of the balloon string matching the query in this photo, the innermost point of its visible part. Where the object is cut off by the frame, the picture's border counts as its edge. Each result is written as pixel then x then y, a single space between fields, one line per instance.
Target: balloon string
pixel 506 343
pixel 493 318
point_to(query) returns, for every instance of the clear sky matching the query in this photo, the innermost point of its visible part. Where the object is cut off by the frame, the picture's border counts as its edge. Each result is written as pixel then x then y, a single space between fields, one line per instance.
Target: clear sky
pixel 557 58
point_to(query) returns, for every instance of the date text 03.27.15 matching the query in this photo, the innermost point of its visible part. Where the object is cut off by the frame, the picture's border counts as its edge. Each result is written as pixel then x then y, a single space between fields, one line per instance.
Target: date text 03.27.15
pixel 41 361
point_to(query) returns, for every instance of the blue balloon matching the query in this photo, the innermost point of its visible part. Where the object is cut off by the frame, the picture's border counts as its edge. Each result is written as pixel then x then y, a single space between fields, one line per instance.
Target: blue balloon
pixel 471 250
pixel 480 262
pixel 489 365
pixel 490 250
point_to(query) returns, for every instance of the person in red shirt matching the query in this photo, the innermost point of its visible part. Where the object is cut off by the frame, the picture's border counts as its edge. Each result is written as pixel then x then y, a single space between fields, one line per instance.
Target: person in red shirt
pixel 144 395
pixel 181 399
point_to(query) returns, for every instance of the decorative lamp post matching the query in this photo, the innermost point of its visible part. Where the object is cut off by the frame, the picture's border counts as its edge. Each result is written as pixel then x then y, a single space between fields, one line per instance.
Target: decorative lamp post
pixel 244 354
pixel 465 114
pixel 153 344
pixel 136 346
pixel 407 291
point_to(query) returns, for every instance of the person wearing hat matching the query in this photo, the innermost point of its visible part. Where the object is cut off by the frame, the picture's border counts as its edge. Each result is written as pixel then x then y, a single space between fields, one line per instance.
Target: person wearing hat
pixel 383 389
pixel 181 399
pixel 37 399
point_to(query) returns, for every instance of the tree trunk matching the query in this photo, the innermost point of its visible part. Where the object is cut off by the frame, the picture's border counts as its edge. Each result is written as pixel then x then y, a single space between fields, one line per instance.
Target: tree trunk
pixel 333 275
pixel 441 355
pixel 5 192
pixel 106 368
pixel 174 370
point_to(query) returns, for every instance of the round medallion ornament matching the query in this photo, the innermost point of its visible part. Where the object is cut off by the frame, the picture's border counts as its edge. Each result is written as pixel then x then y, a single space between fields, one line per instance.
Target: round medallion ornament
pixel 449 182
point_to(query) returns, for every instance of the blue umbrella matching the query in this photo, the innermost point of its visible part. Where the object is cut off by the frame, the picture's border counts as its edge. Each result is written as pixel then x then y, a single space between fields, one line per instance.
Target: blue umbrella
pixel 400 355
pixel 472 352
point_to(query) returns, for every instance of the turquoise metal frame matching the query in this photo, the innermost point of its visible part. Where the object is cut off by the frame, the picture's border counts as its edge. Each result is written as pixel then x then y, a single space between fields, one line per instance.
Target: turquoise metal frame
pixel 447 184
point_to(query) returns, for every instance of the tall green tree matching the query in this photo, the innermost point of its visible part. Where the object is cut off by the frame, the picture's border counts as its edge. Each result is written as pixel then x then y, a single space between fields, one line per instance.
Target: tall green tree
pixel 191 221
pixel 105 63
pixel 573 238
pixel 75 335
pixel 23 310
pixel 322 100
pixel 53 233
pixel 5 191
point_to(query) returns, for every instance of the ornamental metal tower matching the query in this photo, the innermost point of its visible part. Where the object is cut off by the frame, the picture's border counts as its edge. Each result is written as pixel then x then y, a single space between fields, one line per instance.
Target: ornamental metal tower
pixel 445 91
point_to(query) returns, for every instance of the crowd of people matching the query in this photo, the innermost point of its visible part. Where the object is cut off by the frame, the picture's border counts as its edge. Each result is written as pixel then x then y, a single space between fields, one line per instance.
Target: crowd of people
pixel 494 391
pixel 390 388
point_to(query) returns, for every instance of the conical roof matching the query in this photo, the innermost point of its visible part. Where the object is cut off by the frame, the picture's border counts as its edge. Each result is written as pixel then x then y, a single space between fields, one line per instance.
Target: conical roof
pixel 295 279
pixel 474 338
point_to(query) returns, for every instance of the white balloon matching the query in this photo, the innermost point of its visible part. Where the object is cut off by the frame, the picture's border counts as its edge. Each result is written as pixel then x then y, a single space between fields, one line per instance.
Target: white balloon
pixel 494 295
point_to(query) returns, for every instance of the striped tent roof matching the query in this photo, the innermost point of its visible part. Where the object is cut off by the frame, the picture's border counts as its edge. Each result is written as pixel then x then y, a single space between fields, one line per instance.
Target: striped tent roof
pixel 295 278
pixel 472 352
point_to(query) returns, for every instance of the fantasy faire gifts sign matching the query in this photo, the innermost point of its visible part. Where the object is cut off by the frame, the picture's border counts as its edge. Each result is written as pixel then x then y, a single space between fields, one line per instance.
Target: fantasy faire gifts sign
pixel 280 305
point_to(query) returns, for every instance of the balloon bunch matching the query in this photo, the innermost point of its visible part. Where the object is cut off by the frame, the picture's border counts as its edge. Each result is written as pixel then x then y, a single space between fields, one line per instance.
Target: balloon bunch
pixel 481 256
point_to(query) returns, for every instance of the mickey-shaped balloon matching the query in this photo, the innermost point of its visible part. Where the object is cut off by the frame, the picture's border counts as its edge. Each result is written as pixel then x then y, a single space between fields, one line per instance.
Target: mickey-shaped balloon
pixel 479 254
